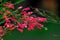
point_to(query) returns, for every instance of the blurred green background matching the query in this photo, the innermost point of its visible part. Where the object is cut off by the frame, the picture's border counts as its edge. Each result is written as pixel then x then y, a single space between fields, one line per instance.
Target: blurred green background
pixel 53 33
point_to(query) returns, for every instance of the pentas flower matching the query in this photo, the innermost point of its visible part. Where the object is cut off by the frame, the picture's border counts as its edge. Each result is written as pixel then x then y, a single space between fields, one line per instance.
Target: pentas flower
pixel 9 5
pixel 27 21
pixel 32 22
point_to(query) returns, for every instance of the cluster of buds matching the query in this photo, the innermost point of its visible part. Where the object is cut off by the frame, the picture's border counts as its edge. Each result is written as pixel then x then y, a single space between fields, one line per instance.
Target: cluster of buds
pixel 27 21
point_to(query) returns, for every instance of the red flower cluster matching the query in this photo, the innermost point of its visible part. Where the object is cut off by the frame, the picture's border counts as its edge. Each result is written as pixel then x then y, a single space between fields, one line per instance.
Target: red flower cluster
pixel 33 22
pixel 27 21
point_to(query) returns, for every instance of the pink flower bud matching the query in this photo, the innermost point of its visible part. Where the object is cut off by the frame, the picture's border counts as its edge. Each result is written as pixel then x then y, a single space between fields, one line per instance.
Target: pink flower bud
pixel 42 19
pixel 28 8
pixel 20 7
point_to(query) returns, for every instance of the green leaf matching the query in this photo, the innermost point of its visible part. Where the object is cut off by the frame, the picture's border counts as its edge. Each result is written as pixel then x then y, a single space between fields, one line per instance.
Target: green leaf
pixel 18 2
